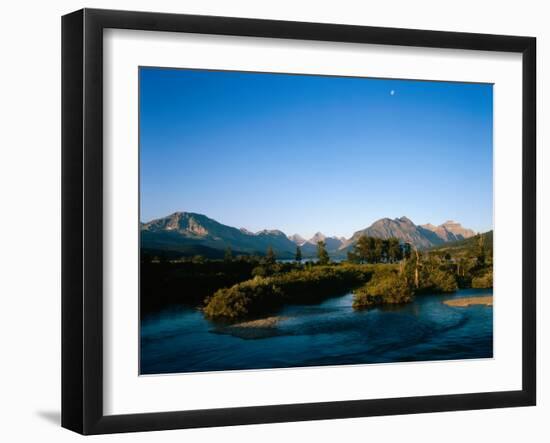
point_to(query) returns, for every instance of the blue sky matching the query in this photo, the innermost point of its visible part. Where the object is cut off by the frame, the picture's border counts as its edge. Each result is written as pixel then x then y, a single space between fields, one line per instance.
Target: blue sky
pixel 314 153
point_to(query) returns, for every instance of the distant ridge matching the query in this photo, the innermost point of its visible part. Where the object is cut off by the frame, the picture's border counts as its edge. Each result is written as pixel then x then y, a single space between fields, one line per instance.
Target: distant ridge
pixel 188 232
pixel 450 231
pixel 179 230
pixel 423 236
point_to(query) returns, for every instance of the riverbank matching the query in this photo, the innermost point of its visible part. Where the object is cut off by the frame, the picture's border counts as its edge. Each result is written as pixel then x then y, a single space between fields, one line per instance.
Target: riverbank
pixel 470 301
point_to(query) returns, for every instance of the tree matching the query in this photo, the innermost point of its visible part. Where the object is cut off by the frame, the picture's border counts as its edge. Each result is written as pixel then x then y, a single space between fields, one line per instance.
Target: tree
pixel 394 250
pixel 322 253
pixel 461 266
pixel 416 268
pixel 270 258
pixel 480 251
pixel 406 250
pixel 441 281
pixel 363 249
pixel 385 254
pixel 353 257
pixel 228 254
pixel 378 250
pixel 298 254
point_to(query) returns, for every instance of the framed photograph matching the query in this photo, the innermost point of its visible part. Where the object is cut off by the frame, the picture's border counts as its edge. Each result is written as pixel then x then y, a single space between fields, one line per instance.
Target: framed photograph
pixel 268 221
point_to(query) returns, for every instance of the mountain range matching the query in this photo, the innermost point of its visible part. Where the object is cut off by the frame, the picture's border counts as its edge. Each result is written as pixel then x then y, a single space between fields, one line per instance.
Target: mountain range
pixel 188 233
pixel 309 247
pixel 421 236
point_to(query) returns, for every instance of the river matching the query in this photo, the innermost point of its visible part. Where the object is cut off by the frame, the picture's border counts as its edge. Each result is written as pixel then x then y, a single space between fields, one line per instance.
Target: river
pixel 180 339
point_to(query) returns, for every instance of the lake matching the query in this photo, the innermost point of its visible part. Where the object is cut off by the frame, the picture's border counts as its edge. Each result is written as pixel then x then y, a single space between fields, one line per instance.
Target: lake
pixel 180 339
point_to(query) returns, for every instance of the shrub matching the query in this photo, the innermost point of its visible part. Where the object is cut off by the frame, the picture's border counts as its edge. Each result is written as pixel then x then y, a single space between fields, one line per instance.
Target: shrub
pixel 259 271
pixel 383 288
pixel 483 281
pixel 243 299
pixel 442 281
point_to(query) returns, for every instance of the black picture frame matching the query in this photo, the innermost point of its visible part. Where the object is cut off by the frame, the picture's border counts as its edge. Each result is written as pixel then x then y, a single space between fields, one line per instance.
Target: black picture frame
pixel 82 219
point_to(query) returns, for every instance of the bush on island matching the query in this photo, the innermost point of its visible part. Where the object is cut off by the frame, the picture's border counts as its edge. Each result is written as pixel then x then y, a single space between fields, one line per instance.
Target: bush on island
pixel 442 281
pixel 383 288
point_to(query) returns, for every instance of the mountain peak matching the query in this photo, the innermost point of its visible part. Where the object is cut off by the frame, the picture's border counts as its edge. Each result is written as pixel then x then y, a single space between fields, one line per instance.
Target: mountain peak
pixel 428 226
pixel 319 236
pixel 449 231
pixel 191 224
pixel 186 214
pixel 297 238
pixel 405 219
pixel 402 228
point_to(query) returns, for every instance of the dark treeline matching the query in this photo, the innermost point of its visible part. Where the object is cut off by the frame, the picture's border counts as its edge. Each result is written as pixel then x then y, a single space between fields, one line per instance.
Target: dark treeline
pixel 167 279
pixel 187 282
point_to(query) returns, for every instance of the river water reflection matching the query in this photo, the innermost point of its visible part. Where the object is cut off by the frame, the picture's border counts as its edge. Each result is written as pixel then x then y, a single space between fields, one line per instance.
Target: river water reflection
pixel 180 339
